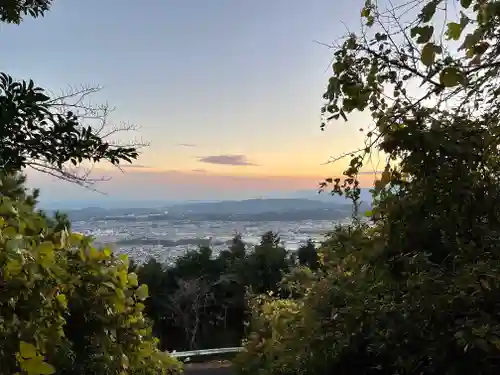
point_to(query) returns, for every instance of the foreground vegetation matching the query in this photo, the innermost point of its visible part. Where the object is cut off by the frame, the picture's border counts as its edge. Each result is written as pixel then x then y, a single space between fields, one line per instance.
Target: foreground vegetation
pixel 201 301
pixel 415 291
pixel 66 307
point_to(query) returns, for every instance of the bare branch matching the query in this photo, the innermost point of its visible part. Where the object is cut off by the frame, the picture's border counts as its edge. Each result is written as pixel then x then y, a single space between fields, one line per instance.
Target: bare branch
pixel 97 116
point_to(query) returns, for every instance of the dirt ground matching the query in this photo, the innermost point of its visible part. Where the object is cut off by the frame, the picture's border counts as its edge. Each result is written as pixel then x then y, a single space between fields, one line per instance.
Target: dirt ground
pixel 211 368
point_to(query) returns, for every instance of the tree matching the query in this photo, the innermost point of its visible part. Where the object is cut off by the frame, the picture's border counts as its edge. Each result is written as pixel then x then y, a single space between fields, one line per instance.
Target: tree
pixel 266 264
pixel 308 255
pixel 12 11
pixel 236 251
pixel 66 306
pixel 12 185
pixel 49 134
pixel 416 291
pixel 188 303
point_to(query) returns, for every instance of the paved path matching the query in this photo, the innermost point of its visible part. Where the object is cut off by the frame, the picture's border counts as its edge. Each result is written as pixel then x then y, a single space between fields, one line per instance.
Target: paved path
pixel 207 370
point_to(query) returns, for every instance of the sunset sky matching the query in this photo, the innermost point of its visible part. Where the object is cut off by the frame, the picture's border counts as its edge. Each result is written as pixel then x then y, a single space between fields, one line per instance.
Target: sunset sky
pixel 228 92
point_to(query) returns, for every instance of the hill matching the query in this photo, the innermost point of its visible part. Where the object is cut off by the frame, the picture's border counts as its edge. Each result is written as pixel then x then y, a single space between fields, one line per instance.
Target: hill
pixel 244 210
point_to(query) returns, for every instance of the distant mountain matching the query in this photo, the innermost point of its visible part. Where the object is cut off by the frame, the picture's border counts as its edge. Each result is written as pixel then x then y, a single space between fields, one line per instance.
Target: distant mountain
pixel 365 196
pixel 104 203
pixel 249 206
pixel 247 210
pixel 115 203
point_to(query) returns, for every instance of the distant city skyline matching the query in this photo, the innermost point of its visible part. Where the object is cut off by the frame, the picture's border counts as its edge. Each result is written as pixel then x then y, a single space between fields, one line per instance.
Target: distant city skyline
pixel 227 92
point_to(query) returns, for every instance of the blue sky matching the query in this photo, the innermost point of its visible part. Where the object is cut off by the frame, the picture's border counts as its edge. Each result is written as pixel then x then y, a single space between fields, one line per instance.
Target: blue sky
pixel 239 81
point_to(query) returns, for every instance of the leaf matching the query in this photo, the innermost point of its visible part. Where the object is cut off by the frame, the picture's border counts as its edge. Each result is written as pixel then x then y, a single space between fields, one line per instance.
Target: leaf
pixel 36 366
pixel 471 40
pixel 13 267
pixel 61 298
pixel 122 277
pixel 132 279
pixel 451 77
pixel 46 248
pixel 424 33
pixel 429 54
pixel 27 350
pixel 428 11
pixel 110 285
pixel 76 238
pixel 14 245
pixel 454 31
pixel 107 252
pixel 9 232
pixel 142 292
pixel 465 3
pixel 120 294
pixel 124 259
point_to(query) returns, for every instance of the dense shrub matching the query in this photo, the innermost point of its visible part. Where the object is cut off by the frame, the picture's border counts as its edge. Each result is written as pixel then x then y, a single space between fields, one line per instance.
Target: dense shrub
pixel 66 306
pixel 417 291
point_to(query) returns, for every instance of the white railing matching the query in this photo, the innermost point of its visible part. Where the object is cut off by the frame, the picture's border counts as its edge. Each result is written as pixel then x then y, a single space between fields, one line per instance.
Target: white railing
pixel 195 353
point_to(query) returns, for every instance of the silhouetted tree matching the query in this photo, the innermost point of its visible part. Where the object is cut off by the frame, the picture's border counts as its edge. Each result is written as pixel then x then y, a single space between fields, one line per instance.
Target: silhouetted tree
pixel 308 255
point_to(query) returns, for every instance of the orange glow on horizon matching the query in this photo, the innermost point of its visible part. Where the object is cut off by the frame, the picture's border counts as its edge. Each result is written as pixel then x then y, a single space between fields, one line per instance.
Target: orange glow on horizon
pixel 224 180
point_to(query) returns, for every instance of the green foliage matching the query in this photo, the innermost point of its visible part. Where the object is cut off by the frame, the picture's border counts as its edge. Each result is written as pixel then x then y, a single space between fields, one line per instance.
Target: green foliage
pixel 200 300
pixel 67 307
pixel 416 290
pixel 55 139
pixel 13 11
pixel 308 256
pixel 13 186
pixel 267 263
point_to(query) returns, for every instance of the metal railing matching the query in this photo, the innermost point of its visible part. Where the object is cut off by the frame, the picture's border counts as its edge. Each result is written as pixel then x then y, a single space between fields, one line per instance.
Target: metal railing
pixel 197 353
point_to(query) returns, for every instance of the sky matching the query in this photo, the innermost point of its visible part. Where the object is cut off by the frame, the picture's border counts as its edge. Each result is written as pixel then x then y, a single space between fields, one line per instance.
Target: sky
pixel 227 92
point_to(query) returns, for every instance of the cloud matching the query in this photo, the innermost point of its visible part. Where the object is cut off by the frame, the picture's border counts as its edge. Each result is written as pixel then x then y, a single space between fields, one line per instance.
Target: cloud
pixel 199 170
pixel 226 160
pixel 186 144
pixel 134 166
pixel 370 172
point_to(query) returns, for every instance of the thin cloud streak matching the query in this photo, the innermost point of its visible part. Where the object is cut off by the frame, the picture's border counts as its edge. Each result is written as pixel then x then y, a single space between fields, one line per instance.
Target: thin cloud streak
pixel 186 144
pixel 370 172
pixel 236 160
pixel 135 166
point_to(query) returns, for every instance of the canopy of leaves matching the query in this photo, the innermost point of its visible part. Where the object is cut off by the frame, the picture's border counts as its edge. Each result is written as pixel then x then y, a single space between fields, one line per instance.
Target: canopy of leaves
pixel 32 135
pixel 13 11
pixel 66 306
pixel 416 290
pixel 199 301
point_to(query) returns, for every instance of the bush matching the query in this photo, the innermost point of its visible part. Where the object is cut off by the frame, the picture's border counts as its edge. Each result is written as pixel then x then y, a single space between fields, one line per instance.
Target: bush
pixel 67 307
pixel 358 318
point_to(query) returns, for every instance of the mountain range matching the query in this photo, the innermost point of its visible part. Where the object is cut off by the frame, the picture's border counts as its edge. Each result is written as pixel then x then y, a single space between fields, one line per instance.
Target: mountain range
pixel 262 209
pixel 118 203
